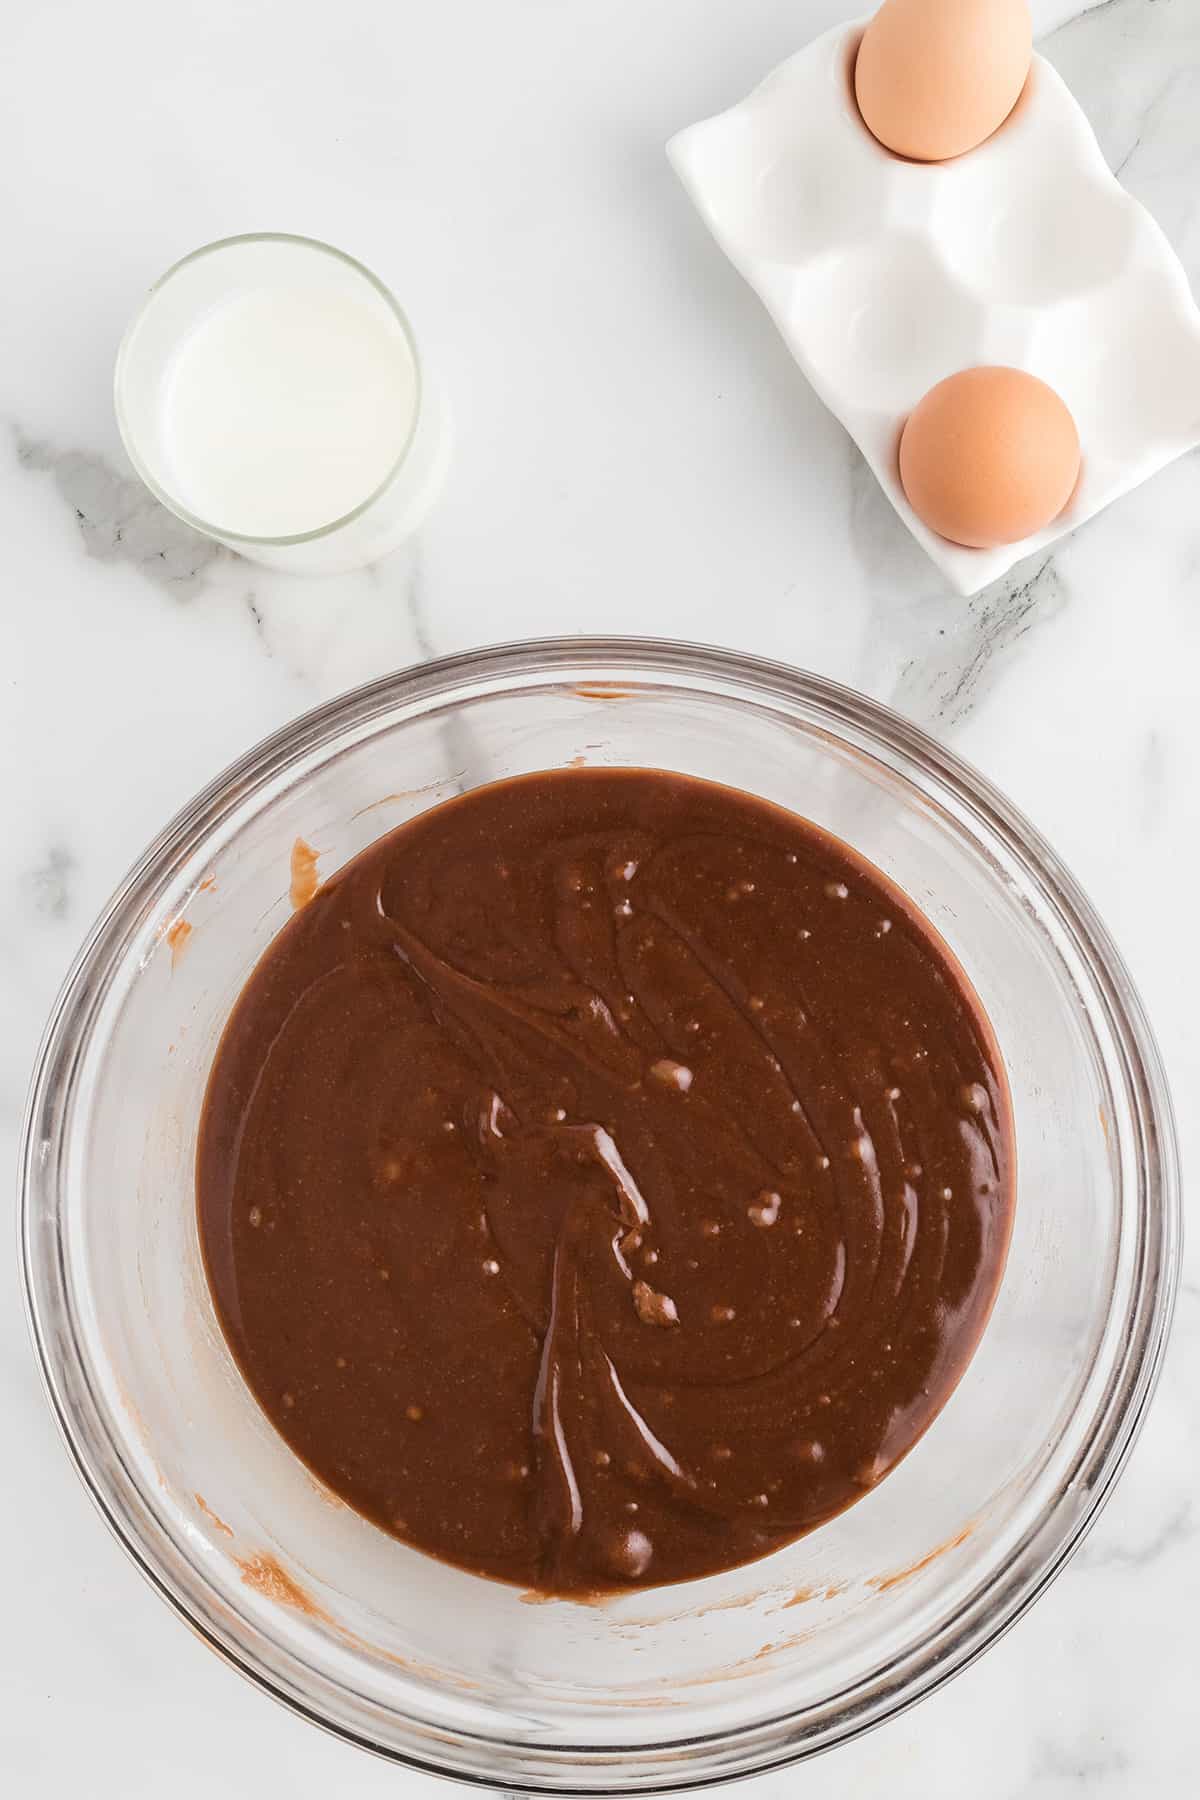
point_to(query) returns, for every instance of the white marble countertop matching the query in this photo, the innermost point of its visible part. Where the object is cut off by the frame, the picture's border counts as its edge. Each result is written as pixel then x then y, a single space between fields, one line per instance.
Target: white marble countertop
pixel 635 452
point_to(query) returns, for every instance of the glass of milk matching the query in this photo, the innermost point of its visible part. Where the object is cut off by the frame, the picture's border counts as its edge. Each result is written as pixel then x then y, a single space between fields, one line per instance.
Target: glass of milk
pixel 271 394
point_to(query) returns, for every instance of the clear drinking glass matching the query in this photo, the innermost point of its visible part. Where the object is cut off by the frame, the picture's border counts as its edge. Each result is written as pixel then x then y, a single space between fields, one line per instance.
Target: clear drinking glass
pixel 668 1687
pixel 340 527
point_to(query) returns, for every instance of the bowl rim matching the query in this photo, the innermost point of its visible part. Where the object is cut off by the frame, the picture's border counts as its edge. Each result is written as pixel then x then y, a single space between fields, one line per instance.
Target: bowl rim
pixel 665 1765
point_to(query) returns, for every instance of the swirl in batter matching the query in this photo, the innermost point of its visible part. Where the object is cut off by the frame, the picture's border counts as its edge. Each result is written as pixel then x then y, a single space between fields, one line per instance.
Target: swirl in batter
pixel 604 1179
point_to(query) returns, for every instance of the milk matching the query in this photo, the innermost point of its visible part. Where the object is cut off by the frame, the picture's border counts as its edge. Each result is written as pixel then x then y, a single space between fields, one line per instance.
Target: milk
pixel 284 410
pixel 270 393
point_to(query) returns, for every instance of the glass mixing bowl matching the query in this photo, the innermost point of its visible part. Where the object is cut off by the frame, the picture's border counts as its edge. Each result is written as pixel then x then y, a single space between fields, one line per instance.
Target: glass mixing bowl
pixel 674 1686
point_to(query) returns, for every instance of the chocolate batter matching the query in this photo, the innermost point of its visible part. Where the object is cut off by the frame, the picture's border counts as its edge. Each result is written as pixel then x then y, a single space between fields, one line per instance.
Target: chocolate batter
pixel 605 1179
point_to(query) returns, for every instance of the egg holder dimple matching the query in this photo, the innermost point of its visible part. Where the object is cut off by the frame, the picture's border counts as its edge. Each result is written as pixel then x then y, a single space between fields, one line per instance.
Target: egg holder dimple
pixel 884 276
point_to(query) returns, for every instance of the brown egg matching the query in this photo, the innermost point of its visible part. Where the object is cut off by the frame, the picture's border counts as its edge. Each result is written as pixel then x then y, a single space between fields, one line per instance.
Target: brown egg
pixel 935 77
pixel 989 456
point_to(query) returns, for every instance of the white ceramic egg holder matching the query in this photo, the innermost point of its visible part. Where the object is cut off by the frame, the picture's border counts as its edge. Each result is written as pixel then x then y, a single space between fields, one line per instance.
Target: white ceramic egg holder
pixel 884 276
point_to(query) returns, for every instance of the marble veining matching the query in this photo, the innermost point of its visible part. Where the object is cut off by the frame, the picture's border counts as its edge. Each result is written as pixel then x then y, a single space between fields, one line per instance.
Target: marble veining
pixel 635 452
pixel 120 520
pixel 49 884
